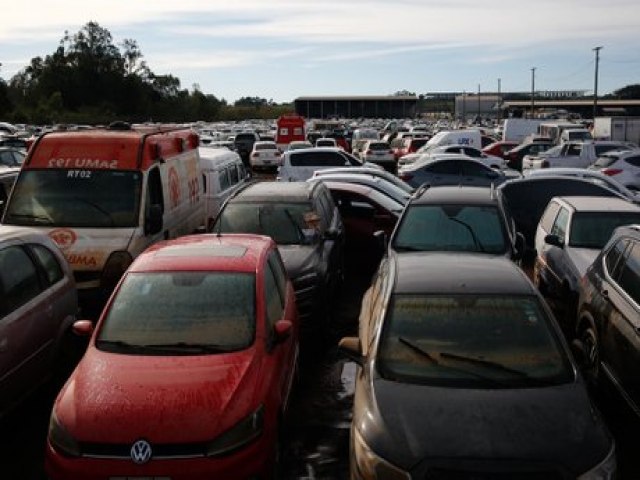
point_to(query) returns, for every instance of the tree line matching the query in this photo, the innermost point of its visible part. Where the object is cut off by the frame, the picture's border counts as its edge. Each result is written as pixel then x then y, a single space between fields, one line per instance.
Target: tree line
pixel 90 80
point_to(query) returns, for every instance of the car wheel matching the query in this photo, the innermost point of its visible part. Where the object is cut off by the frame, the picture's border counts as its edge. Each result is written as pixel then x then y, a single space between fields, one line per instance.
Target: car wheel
pixel 589 340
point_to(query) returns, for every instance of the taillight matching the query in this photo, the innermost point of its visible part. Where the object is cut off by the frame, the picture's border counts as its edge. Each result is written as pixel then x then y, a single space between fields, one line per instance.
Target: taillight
pixel 612 171
pixel 405 176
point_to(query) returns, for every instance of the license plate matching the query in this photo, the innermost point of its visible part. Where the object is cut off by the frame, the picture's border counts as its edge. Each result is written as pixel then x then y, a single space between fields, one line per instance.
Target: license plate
pixel 266 162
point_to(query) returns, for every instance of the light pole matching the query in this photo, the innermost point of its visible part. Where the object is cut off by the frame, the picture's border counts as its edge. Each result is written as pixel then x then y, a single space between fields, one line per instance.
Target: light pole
pixel 499 103
pixel 479 116
pixel 533 89
pixel 595 82
pixel 464 106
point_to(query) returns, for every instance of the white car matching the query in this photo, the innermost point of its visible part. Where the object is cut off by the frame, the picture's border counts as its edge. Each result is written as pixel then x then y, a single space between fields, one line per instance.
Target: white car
pixel 299 165
pixel 265 154
pixel 489 160
pixel 622 166
pixel 377 151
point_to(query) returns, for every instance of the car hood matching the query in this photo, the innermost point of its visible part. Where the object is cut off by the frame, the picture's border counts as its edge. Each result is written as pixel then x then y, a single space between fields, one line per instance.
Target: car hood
pixel 298 259
pixel 118 398
pixel 409 424
pixel 581 258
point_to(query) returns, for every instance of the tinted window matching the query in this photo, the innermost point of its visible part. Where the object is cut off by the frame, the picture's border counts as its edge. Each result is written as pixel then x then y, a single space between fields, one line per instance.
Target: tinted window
pixel 52 269
pixel 635 161
pixel 317 159
pixel 444 168
pixel 600 149
pixel 223 178
pixel 472 152
pixel 471 169
pixel 470 340
pixel 630 274
pixel 466 228
pixel 169 308
pixel 612 258
pixel 560 225
pixel 379 146
pixel 605 161
pixel 233 174
pixel 594 229
pixel 19 280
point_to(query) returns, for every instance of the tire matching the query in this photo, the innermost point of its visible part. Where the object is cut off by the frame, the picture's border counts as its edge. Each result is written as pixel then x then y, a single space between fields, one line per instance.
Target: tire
pixel 589 339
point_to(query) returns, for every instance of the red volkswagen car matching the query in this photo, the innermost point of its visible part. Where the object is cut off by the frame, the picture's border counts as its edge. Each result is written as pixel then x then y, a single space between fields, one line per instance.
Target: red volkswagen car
pixel 188 371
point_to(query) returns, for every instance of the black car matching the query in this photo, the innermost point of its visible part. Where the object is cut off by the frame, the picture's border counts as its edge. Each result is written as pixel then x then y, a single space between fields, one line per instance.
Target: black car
pixel 457 218
pixel 609 315
pixel 465 378
pixel 528 197
pixel 304 221
pixel 516 154
pixel 243 144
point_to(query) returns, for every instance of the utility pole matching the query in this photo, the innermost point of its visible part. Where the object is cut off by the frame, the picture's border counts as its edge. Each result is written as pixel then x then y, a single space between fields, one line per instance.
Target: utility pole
pixel 533 89
pixel 479 116
pixel 499 103
pixel 595 82
pixel 464 106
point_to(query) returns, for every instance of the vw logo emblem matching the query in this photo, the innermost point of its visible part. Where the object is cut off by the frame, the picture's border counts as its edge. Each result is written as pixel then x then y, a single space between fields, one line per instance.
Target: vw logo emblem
pixel 141 452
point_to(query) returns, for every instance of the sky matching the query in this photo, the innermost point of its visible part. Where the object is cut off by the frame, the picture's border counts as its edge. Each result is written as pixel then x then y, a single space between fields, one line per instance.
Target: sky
pixel 283 49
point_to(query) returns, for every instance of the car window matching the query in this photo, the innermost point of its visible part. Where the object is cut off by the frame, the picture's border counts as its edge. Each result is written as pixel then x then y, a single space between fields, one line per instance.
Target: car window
pixel 472 152
pixel 154 312
pixel 630 274
pixel 327 208
pixel 7 159
pixel 594 229
pixel 635 161
pixel 574 149
pixel 605 161
pixel 472 169
pixel 279 272
pixel 560 225
pixel 284 222
pixel 233 174
pixel 223 178
pixel 317 159
pixel 468 228
pixel 600 149
pixel 274 301
pixel 49 262
pixel 470 341
pixel 19 281
pixel 446 167
pixel 546 222
pixel 613 256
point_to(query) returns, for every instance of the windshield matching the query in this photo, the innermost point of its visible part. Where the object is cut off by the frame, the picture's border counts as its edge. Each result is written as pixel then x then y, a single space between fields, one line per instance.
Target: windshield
pixel 470 341
pixel 467 228
pixel 594 229
pixel 181 313
pixel 284 222
pixel 75 198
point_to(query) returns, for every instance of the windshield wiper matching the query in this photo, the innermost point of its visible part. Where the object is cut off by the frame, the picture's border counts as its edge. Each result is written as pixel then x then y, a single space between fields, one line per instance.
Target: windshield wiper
pixel 476 241
pixel 189 347
pixel 36 218
pixel 435 361
pixel 485 363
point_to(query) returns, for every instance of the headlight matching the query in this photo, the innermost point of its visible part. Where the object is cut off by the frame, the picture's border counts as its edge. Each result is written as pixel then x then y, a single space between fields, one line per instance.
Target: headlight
pixel 372 467
pixel 605 470
pixel 239 435
pixel 61 439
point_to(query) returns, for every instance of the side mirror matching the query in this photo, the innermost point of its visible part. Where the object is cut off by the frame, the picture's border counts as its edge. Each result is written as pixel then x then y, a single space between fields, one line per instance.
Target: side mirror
pixel 554 240
pixel 350 348
pixel 82 328
pixel 282 330
pixel 153 222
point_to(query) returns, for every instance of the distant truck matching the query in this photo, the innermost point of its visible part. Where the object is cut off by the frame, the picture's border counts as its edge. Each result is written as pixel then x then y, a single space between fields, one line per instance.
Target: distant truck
pixel 575 154
pixel 517 129
pixel 621 129
pixel 291 128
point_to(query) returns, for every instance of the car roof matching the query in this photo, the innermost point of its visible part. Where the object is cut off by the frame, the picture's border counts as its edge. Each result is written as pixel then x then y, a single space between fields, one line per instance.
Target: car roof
pixel 458 194
pixel 203 252
pixel 275 191
pixel 458 273
pixel 599 204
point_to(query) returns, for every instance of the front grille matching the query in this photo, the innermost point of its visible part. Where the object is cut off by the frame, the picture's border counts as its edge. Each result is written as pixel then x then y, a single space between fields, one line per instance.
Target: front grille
pixel 160 451
pixel 449 474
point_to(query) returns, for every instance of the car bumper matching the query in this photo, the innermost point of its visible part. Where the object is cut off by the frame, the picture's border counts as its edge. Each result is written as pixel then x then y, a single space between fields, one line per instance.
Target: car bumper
pixel 252 462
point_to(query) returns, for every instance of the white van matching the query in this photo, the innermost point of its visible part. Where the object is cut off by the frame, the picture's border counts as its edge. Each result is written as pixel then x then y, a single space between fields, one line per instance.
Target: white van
pixel 468 137
pixel 222 174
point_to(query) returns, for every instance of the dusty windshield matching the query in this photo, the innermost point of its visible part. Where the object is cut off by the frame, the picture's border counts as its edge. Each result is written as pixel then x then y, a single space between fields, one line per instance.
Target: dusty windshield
pixel 284 222
pixel 75 198
pixel 188 313
pixel 466 228
pixel 471 341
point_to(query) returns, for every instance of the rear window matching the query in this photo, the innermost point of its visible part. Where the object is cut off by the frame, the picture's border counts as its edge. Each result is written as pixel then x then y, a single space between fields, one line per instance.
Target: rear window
pixel 244 137
pixel 265 146
pixel 317 159
pixel 605 161
pixel 379 146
